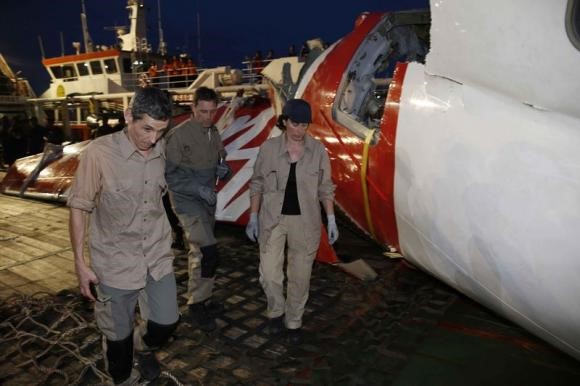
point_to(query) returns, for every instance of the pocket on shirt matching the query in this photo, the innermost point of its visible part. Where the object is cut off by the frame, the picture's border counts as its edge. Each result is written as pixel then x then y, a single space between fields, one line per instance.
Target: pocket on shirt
pixel 312 180
pixel 313 173
pixel 120 203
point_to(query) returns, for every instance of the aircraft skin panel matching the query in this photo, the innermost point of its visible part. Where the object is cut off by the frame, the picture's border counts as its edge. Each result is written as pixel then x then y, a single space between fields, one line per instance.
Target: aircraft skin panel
pixel 345 149
pixel 486 198
pixel 518 47
pixel 242 140
pixel 383 159
pixel 53 181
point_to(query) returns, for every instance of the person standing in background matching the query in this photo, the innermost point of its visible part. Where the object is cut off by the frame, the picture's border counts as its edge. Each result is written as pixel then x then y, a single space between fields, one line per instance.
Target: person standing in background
pixel 37 136
pixel 15 142
pixel 105 128
pixel 53 150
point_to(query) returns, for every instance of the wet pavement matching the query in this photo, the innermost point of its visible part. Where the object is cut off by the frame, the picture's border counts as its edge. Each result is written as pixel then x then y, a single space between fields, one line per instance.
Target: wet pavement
pixel 405 328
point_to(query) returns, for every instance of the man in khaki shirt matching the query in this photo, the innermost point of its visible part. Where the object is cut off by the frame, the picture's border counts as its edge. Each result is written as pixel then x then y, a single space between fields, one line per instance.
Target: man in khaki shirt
pixel 292 176
pixel 118 191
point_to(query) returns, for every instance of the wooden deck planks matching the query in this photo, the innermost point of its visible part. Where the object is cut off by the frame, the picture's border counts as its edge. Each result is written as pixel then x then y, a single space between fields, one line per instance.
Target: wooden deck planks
pixel 35 251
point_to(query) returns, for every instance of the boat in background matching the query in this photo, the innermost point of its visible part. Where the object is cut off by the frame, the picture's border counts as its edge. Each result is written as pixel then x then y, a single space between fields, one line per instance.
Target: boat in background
pixel 97 82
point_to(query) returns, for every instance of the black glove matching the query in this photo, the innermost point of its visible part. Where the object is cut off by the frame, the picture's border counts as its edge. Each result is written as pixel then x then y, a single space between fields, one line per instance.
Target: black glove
pixel 207 194
pixel 223 170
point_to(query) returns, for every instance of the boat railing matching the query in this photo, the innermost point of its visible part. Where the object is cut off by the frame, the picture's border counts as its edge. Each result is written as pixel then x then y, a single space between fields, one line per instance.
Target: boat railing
pixel 179 78
pixel 252 70
pixel 187 76
pixel 187 79
pixel 12 99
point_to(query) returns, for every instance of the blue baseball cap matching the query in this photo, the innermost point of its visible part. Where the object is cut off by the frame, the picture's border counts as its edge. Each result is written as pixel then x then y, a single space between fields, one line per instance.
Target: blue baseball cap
pixel 298 110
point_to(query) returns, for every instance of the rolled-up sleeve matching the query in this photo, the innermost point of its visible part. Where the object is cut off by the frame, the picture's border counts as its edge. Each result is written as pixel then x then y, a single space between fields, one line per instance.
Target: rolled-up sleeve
pixel 325 185
pixel 257 180
pixel 86 183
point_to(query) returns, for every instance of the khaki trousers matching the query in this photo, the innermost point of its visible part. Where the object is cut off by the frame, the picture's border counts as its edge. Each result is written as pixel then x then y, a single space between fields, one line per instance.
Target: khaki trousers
pixel 157 302
pixel 298 271
pixel 199 233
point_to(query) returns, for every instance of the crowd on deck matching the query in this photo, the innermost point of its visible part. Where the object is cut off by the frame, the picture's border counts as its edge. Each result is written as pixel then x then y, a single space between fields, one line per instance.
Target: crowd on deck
pixel 180 71
pixel 174 72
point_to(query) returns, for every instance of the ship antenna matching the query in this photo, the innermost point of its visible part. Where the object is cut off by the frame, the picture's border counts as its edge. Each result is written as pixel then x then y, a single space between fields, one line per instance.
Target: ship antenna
pixel 86 37
pixel 198 34
pixel 61 44
pixel 162 50
pixel 41 46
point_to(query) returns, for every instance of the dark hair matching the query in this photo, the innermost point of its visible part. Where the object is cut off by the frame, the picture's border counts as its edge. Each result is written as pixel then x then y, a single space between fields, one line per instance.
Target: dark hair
pixel 151 101
pixel 280 123
pixel 205 94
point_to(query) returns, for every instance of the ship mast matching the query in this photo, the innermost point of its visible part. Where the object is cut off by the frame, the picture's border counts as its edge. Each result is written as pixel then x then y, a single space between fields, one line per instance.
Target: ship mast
pixel 162 50
pixel 198 34
pixel 86 37
pixel 135 40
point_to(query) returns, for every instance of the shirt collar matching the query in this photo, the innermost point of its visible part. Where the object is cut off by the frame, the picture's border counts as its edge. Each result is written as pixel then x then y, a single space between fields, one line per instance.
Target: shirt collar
pixel 308 143
pixel 198 126
pixel 128 148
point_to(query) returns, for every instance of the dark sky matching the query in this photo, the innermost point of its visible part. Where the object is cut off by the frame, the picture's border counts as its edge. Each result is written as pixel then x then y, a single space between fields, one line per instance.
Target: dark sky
pixel 230 30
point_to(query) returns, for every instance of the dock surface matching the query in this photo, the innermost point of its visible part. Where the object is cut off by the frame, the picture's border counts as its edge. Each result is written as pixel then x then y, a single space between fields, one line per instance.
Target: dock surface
pixel 405 328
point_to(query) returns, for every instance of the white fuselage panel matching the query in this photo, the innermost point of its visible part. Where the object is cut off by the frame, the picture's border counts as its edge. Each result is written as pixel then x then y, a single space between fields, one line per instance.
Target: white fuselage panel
pixel 487 198
pixel 519 48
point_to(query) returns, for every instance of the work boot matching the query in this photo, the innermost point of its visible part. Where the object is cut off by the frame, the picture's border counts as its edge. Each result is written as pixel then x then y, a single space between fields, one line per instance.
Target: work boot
pixel 133 379
pixel 295 336
pixel 214 308
pixel 275 325
pixel 148 365
pixel 201 318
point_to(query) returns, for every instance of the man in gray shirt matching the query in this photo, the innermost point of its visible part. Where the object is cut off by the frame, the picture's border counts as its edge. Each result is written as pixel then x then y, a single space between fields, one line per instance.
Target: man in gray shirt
pixel 195 160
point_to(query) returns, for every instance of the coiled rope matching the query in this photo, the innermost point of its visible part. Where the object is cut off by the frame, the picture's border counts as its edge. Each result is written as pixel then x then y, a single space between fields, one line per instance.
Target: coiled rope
pixel 51 339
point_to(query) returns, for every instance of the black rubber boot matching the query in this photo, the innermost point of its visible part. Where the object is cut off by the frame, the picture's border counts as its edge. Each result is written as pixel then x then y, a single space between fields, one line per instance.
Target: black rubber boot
pixel 201 318
pixel 295 336
pixel 214 308
pixel 209 260
pixel 275 326
pixel 119 359
pixel 148 365
pixel 155 336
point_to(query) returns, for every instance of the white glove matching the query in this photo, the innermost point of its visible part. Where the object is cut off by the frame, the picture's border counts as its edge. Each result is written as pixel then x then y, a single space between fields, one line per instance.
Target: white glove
pixel 332 229
pixel 252 228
